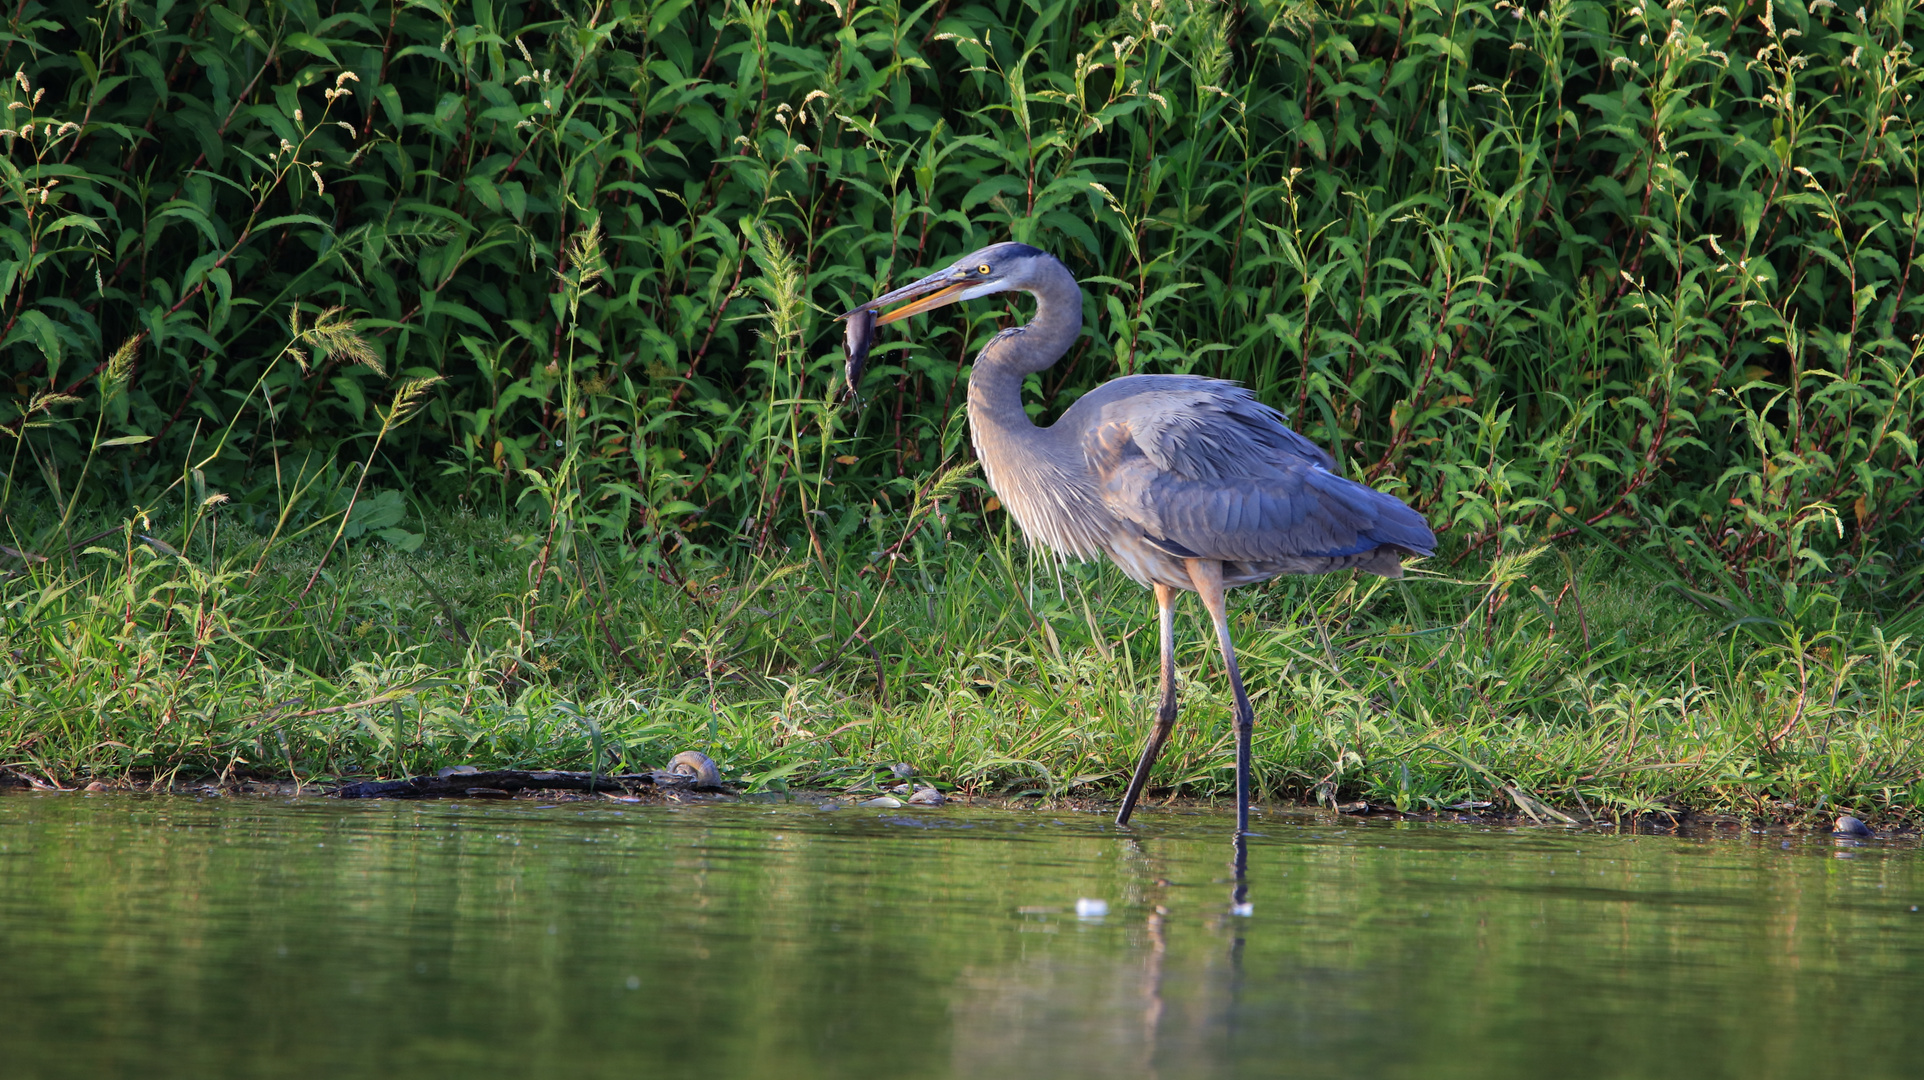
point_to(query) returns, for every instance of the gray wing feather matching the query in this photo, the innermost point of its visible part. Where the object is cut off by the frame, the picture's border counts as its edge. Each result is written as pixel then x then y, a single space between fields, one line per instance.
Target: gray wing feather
pixel 1205 428
pixel 1205 470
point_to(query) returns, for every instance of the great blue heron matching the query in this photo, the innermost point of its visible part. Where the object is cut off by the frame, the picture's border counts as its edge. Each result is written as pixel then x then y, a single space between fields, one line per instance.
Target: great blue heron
pixel 1187 483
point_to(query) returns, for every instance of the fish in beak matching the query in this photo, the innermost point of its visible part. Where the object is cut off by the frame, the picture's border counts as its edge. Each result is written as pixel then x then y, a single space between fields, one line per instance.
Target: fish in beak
pixel 861 335
pixel 938 289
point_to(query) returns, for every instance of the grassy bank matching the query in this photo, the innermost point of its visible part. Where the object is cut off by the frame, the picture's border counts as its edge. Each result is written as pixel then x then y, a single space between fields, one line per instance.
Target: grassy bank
pixel 1574 680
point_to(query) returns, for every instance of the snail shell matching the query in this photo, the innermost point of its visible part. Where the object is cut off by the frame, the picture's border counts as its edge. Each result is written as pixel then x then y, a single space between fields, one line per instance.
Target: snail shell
pixel 698 765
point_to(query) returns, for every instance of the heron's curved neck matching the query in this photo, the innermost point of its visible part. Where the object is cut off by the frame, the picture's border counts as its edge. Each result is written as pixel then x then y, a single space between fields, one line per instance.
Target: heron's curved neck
pixel 995 386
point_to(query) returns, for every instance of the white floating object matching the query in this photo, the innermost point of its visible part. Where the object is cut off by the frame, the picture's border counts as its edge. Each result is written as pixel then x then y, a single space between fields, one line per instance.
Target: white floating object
pixel 884 801
pixel 1087 908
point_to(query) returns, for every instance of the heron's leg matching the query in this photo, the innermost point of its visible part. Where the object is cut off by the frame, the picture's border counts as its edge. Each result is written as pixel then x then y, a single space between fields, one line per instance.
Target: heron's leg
pixel 1166 713
pixel 1207 574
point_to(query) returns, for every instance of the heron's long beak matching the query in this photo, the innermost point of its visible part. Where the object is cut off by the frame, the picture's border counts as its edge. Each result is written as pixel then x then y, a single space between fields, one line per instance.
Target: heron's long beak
pixel 945 293
pixel 939 288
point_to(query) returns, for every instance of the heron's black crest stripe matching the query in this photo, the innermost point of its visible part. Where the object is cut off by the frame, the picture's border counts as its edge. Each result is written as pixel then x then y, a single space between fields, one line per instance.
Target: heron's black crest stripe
pixel 1010 250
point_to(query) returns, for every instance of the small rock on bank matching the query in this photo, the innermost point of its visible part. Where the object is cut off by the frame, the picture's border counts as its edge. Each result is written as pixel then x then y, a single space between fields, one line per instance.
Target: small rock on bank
pixel 1850 826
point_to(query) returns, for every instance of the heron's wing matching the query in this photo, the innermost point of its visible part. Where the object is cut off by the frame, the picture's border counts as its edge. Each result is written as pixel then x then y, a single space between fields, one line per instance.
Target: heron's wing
pixel 1207 471
pixel 1205 428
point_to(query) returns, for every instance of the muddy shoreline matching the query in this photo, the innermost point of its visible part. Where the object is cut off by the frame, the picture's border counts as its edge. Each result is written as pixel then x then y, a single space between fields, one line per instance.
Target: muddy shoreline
pixel 662 790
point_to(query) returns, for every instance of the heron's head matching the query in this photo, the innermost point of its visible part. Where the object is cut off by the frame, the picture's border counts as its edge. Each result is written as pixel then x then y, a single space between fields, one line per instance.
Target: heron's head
pixel 997 268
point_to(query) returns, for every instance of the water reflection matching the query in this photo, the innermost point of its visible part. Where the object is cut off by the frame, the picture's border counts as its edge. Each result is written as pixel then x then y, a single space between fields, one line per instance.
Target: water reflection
pixel 228 938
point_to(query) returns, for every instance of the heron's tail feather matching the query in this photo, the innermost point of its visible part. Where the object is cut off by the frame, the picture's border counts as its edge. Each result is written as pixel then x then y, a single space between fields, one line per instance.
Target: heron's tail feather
pixel 1381 518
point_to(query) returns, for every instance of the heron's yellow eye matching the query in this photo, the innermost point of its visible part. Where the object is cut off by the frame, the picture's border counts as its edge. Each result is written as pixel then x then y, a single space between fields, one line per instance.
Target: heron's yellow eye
pixel 983 269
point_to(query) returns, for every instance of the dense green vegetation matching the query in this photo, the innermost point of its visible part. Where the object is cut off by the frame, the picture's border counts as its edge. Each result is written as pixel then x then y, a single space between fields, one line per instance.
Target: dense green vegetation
pixel 401 384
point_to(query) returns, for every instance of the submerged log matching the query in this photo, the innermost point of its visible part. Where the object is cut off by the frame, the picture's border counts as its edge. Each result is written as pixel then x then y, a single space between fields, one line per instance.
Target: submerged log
pixel 468 781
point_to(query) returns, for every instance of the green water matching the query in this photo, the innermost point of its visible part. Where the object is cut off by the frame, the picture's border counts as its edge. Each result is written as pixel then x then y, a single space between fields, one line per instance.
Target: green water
pixel 158 937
